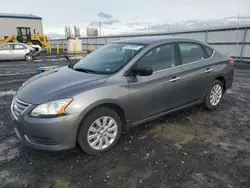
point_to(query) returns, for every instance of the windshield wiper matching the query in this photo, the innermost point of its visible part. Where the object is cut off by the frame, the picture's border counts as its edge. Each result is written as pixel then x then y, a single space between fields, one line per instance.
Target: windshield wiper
pixel 89 71
pixel 82 70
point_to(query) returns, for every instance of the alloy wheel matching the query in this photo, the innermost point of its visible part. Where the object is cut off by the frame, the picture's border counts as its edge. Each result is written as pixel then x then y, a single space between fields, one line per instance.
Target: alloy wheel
pixel 102 133
pixel 215 94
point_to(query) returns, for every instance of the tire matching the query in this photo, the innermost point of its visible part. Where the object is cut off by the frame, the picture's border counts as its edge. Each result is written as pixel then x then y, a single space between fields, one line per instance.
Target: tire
pixel 209 103
pixel 91 120
pixel 28 57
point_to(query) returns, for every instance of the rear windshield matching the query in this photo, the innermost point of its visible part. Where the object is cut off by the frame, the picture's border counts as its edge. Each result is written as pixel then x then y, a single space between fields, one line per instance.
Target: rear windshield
pixel 110 58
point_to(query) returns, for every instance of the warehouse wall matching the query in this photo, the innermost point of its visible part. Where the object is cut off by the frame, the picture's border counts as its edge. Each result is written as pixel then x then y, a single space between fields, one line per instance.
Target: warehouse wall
pixel 8 25
pixel 234 41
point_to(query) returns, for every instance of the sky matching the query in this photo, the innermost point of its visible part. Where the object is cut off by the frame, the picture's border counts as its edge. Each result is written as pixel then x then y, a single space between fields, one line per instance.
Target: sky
pixel 132 16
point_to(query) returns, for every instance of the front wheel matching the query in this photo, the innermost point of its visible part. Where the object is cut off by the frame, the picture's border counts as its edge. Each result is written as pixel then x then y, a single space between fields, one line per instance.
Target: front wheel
pixel 28 57
pixel 99 131
pixel 214 95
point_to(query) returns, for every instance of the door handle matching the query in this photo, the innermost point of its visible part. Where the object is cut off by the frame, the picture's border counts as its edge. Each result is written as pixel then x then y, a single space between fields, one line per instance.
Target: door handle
pixel 174 79
pixel 208 70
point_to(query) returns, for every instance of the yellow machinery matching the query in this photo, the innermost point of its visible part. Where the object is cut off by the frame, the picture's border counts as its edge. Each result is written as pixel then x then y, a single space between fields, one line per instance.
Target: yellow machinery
pixel 24 36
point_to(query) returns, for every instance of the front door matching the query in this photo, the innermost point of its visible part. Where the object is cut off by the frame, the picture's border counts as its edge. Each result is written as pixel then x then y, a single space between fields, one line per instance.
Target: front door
pixel 19 51
pixel 151 95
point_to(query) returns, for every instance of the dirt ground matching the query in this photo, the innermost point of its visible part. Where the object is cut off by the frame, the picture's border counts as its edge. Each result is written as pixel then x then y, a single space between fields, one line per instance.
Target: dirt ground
pixel 191 148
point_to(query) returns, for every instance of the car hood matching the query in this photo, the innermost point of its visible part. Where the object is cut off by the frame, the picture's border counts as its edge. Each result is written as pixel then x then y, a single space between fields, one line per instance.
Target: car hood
pixel 58 84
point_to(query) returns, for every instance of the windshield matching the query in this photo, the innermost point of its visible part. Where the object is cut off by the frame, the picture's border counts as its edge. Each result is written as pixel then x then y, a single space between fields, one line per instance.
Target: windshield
pixel 109 59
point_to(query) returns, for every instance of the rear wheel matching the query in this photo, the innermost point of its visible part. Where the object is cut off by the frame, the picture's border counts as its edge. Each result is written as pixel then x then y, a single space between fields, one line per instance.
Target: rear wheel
pixel 214 95
pixel 28 57
pixel 99 131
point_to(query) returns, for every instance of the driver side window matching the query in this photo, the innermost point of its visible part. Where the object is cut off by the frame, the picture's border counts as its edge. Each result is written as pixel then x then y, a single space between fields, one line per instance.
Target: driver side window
pixel 159 58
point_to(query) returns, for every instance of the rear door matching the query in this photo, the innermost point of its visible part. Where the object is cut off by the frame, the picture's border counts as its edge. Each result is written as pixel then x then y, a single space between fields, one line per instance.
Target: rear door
pixel 197 71
pixel 6 52
pixel 20 51
pixel 151 95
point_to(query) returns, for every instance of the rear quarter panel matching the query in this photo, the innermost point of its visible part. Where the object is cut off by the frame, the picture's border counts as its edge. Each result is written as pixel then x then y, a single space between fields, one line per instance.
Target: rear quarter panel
pixel 222 68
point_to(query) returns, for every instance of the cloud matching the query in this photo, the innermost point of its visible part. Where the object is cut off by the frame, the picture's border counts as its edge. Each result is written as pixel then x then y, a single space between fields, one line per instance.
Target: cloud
pixel 94 23
pixel 136 24
pixel 241 17
pixel 110 22
pixel 104 15
pixel 193 24
pixel 107 22
pixel 133 18
pixel 52 35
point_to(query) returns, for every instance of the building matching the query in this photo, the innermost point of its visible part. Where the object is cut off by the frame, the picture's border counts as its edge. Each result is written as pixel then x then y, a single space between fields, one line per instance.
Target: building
pixel 9 23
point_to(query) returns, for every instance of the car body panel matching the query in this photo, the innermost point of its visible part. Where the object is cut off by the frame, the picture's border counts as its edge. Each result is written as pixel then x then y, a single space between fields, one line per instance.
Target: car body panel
pixel 13 53
pixel 57 84
pixel 28 128
pixel 141 98
pixel 158 93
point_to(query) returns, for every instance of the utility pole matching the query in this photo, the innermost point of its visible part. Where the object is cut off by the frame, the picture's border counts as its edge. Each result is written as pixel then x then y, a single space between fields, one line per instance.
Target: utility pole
pixel 100 27
pixel 238 22
pixel 148 28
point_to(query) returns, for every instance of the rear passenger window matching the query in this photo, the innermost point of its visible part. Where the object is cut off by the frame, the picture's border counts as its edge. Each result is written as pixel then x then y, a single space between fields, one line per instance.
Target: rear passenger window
pixel 191 52
pixel 209 51
pixel 159 58
pixel 7 46
pixel 18 47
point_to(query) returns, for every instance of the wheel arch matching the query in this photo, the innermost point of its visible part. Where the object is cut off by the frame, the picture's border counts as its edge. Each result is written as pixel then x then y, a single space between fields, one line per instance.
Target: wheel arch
pixel 223 81
pixel 108 104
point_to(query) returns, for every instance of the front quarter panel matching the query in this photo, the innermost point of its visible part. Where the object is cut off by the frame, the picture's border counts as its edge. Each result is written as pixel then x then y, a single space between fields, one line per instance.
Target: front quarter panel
pixel 109 92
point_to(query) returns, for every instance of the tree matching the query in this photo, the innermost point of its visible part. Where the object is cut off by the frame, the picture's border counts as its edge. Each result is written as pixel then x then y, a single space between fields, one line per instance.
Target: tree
pixel 92 31
pixel 68 32
pixel 77 32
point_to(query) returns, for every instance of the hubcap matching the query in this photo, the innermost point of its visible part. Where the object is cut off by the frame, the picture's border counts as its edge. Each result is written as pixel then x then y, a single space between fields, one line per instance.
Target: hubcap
pixel 215 94
pixel 102 133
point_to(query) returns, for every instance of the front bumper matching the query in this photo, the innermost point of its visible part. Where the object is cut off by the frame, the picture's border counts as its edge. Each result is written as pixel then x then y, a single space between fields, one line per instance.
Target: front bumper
pixel 53 134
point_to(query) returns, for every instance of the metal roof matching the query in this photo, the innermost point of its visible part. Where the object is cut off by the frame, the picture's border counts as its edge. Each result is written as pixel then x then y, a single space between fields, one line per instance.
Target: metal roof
pixel 23 16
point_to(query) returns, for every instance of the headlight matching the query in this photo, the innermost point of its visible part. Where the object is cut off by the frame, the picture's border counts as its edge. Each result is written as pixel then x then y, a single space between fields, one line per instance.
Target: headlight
pixel 53 108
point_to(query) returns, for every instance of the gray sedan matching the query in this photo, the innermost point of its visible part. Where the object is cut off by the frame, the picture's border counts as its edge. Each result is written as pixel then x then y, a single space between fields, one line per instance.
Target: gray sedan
pixel 119 86
pixel 16 51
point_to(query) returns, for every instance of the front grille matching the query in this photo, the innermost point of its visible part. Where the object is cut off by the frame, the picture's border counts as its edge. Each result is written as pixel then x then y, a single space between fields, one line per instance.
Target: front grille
pixel 18 107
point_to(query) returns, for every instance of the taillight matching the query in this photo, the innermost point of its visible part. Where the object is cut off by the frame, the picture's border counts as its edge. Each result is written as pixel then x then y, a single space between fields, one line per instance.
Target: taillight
pixel 231 61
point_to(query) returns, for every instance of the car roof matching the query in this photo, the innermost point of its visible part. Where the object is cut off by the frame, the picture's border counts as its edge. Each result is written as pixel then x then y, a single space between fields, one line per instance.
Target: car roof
pixel 14 43
pixel 155 39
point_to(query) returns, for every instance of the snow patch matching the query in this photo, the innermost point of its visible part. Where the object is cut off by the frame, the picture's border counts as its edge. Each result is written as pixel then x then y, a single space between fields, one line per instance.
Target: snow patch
pixel 10 92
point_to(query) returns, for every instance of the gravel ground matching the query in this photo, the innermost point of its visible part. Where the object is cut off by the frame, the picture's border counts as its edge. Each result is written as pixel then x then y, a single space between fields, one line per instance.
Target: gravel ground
pixel 190 148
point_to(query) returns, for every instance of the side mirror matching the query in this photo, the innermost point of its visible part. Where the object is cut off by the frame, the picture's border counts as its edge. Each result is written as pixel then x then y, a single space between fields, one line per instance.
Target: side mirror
pixel 142 71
